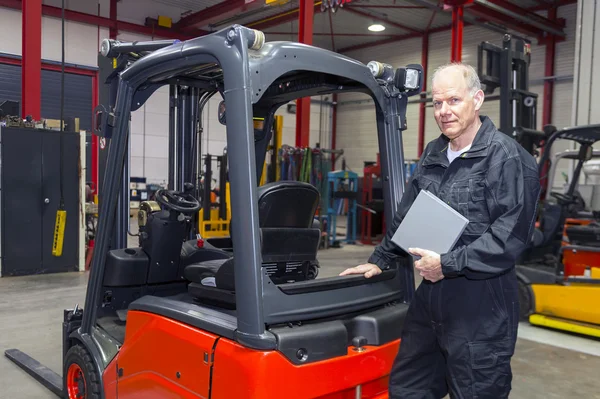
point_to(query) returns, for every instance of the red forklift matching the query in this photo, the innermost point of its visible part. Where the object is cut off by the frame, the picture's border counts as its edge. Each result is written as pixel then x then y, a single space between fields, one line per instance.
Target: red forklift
pixel 239 316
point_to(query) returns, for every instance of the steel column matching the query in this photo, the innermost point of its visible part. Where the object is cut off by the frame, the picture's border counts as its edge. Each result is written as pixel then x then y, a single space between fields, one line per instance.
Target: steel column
pixel 422 105
pixel 305 35
pixel 31 71
pixel 549 71
pixel 457 33
pixel 113 31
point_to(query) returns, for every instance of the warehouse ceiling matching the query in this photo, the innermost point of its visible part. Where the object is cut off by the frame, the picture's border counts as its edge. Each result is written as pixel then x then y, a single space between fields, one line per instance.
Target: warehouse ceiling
pixel 347 28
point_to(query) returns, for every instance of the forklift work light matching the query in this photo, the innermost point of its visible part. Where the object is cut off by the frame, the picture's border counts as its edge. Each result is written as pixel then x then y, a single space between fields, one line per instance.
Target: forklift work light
pixel 412 79
pixel 409 79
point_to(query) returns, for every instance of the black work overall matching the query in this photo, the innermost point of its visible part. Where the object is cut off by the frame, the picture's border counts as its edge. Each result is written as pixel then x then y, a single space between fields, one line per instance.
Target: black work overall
pixel 460 332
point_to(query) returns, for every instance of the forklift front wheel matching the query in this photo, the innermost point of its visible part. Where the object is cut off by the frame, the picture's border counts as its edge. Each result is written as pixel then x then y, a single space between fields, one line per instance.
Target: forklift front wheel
pixel 80 377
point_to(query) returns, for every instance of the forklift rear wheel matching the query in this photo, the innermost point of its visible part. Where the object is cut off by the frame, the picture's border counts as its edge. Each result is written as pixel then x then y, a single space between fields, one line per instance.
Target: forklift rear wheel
pixel 525 302
pixel 81 380
pixel 313 270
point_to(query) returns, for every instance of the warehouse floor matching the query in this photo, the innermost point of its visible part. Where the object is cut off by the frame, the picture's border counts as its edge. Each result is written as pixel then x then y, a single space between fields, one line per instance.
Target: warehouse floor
pixel 547 364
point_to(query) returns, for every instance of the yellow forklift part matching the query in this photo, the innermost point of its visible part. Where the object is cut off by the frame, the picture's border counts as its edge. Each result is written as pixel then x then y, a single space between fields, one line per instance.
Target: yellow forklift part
pixel 59 232
pixel 215 226
pixel 575 301
pixel 565 325
pixel 263 177
pixel 278 142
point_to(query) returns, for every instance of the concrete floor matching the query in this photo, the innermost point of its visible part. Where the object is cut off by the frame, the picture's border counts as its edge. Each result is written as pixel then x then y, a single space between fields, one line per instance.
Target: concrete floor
pixel 547 364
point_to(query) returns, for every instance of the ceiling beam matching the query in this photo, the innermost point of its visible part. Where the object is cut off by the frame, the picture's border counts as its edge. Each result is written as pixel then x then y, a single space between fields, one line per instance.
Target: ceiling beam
pixel 95 20
pixel 516 13
pixel 396 39
pixel 380 19
pixel 490 15
pixel 352 5
pixel 379 42
pixel 218 12
pixel 488 10
pixel 279 19
pixel 295 33
pixel 559 3
pixel 547 6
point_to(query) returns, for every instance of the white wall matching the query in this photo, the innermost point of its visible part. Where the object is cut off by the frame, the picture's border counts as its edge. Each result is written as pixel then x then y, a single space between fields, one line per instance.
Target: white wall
pixel 356 130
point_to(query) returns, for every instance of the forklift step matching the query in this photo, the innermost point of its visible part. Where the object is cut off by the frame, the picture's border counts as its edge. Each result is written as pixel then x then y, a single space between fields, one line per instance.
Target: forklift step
pixel 41 373
pixel 577 327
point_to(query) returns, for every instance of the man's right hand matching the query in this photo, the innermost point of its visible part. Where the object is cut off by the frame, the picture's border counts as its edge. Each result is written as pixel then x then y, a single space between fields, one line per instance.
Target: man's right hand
pixel 368 269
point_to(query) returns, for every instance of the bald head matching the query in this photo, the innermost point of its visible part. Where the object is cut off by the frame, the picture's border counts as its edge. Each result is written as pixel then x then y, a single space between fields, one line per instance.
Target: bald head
pixel 459 71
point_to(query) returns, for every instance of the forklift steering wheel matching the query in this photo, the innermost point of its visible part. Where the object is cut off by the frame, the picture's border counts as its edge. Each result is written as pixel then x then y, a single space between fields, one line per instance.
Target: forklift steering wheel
pixel 178 201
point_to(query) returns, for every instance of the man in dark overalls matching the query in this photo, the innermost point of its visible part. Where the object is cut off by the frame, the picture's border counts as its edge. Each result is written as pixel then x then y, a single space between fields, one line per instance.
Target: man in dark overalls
pixel 460 331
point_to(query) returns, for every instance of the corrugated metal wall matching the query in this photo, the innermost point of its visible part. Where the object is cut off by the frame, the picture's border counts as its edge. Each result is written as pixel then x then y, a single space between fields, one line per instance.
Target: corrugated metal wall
pixel 78 93
pixel 78 98
pixel 10 83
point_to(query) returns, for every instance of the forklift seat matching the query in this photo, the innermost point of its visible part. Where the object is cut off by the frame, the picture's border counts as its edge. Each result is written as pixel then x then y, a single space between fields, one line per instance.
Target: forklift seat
pixel 585 235
pixel 288 238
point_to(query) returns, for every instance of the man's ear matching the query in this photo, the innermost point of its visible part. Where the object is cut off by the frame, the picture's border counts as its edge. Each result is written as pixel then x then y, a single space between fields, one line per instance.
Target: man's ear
pixel 478 98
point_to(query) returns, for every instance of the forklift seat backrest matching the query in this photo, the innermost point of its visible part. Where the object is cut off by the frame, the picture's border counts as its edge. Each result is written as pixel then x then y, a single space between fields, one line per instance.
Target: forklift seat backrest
pixel 289 243
pixel 287 204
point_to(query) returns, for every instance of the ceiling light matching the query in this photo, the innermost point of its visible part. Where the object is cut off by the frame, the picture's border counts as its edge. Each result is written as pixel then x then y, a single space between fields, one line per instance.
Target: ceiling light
pixel 376 27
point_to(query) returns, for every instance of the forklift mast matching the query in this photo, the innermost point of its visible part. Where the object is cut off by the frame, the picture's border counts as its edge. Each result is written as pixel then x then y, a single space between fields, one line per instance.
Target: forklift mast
pixel 507 68
pixel 185 123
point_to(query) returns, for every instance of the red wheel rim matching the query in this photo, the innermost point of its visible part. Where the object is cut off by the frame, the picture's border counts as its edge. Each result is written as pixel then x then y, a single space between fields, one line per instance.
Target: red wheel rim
pixel 75 382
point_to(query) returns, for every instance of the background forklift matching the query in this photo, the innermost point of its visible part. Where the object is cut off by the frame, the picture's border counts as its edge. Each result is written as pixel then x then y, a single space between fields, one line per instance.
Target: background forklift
pixel 214 217
pixel 177 316
pixel 559 274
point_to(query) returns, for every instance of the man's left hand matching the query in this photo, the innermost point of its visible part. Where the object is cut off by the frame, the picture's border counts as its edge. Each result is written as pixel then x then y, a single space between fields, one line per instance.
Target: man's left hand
pixel 429 266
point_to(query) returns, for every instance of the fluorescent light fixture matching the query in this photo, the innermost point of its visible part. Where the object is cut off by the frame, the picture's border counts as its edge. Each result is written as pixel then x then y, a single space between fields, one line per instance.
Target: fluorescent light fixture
pixel 375 27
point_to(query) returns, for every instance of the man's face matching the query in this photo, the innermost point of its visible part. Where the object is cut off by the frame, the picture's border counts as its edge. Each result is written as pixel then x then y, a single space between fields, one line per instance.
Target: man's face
pixel 455 109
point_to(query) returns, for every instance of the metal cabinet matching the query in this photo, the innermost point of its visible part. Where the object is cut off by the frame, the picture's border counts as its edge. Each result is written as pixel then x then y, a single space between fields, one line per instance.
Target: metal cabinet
pixel 30 196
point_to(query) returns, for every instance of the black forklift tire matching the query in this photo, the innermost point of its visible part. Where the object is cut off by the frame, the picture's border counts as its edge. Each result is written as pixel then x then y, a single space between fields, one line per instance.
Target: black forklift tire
pixel 79 375
pixel 313 270
pixel 525 300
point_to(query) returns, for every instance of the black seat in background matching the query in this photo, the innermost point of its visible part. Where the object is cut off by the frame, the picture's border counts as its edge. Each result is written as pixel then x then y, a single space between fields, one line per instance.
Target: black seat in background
pixel 585 235
pixel 287 204
pixel 289 243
